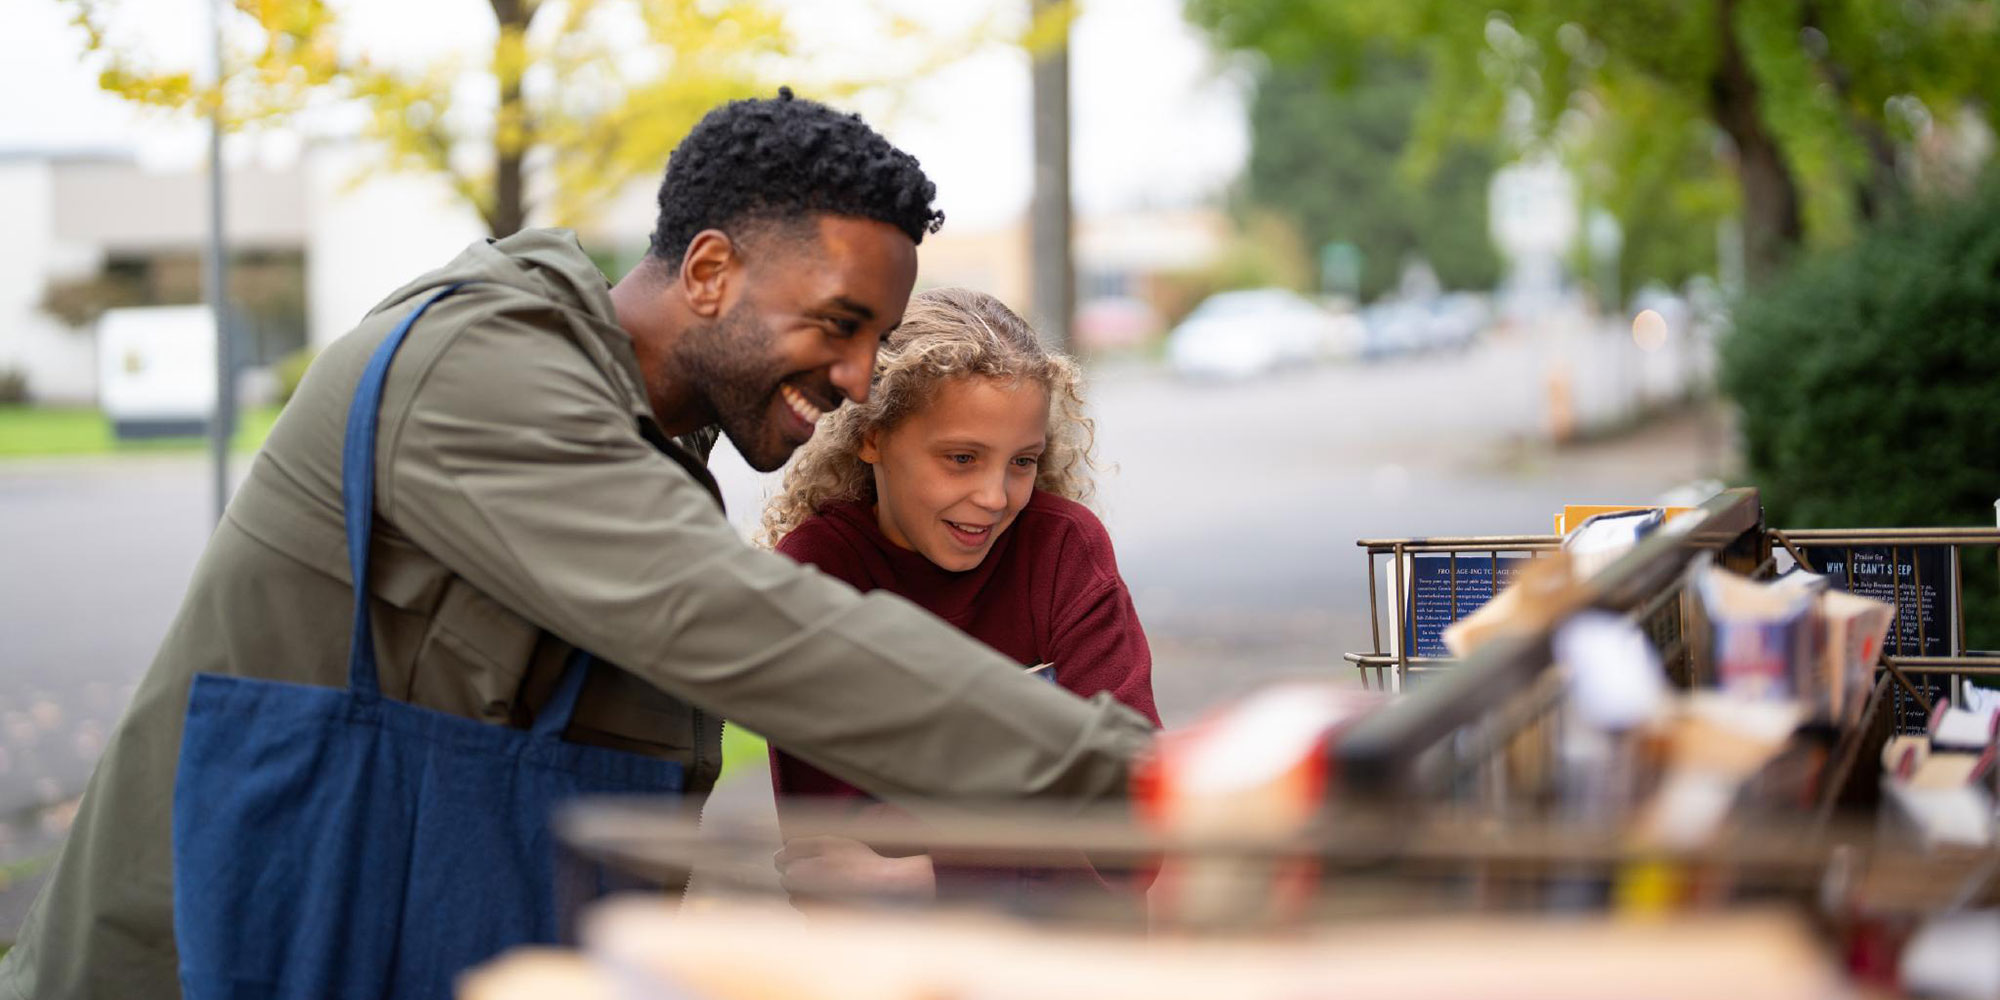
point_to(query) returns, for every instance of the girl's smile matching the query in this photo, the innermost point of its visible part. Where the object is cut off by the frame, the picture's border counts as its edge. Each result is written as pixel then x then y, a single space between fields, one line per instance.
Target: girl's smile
pixel 969 536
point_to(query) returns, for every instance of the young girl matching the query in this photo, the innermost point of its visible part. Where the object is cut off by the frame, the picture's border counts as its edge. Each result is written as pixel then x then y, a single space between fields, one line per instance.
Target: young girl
pixel 958 486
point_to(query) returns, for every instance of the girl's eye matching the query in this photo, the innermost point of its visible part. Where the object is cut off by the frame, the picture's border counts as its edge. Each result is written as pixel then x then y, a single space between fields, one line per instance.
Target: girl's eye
pixel 959 459
pixel 1028 461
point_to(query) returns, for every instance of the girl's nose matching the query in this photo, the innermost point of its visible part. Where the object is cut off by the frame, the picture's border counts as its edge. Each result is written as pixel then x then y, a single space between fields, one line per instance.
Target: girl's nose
pixel 991 493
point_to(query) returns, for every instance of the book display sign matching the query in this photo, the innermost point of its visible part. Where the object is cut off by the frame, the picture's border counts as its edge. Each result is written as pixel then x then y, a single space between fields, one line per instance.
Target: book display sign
pixel 1443 589
pixel 1916 578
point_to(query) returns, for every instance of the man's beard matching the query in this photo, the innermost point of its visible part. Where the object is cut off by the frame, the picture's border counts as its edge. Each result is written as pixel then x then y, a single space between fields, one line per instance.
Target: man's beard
pixel 729 363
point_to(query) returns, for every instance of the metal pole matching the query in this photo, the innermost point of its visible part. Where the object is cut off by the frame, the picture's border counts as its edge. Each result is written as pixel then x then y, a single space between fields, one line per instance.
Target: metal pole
pixel 223 422
pixel 1053 274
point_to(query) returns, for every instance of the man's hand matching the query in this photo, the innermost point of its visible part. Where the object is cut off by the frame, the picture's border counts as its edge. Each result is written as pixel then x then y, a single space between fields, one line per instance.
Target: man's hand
pixel 836 867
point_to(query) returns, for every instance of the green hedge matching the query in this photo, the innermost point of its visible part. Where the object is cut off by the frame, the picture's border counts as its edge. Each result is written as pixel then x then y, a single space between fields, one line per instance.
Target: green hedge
pixel 1868 380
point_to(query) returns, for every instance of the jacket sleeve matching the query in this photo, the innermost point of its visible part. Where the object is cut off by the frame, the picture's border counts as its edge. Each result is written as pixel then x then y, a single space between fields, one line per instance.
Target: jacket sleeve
pixel 515 465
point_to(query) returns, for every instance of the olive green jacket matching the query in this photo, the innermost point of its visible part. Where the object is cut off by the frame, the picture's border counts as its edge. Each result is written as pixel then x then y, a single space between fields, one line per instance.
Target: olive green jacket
pixel 528 504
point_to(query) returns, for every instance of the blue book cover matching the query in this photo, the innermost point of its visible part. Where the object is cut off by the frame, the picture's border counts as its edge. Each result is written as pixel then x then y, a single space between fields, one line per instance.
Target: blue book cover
pixel 1443 590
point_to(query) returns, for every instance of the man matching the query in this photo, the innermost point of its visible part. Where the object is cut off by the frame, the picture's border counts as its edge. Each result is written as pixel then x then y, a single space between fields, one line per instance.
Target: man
pixel 531 499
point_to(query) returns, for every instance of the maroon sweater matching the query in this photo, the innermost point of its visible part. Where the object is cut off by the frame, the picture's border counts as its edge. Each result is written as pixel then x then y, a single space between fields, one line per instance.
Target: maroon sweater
pixel 1048 592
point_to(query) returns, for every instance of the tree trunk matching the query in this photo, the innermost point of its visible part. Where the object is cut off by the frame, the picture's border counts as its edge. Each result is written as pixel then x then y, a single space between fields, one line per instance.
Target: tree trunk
pixel 1053 274
pixel 509 210
pixel 509 207
pixel 1771 221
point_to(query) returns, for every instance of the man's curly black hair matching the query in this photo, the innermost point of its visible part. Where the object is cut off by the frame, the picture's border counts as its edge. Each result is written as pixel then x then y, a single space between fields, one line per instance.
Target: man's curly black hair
pixel 784 159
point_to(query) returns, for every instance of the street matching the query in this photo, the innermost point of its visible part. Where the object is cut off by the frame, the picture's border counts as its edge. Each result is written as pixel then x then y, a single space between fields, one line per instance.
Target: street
pixel 1234 508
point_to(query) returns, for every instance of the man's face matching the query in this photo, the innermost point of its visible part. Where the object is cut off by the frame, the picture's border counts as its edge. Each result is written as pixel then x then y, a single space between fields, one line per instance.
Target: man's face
pixel 800 338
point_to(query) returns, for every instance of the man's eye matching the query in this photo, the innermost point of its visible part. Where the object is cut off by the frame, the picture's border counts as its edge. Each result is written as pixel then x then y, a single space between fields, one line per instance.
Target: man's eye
pixel 845 328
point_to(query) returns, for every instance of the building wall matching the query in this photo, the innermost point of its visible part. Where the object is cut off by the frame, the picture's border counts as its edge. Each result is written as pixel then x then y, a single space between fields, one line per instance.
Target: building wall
pixel 1135 246
pixel 365 241
pixel 60 362
pixel 125 208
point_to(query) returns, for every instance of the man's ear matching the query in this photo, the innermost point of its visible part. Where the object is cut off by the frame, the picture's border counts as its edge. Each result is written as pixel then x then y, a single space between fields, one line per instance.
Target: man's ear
pixel 870 450
pixel 709 271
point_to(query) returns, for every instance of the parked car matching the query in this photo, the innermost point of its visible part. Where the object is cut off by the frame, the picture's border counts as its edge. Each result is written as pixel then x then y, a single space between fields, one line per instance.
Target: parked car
pixel 1412 326
pixel 1242 334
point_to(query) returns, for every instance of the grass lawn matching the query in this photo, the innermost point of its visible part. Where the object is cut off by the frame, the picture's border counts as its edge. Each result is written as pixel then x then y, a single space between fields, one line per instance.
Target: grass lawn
pixel 40 432
pixel 742 748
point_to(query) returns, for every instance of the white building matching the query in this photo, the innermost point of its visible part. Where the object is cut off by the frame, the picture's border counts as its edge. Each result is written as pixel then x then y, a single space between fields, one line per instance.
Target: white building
pixel 319 245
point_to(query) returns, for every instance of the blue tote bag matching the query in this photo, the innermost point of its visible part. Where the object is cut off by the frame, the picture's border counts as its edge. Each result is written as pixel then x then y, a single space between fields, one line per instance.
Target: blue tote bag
pixel 335 843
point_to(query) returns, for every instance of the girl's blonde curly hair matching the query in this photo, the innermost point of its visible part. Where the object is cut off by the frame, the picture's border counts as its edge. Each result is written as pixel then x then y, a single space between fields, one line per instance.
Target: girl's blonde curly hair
pixel 947 333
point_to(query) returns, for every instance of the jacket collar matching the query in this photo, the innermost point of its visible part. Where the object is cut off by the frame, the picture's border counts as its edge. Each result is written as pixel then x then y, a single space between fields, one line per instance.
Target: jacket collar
pixel 551 266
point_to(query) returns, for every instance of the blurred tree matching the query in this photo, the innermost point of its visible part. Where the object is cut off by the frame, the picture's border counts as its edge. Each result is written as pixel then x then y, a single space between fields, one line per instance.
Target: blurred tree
pixel 634 77
pixel 1866 381
pixel 1866 376
pixel 1331 158
pixel 267 294
pixel 1816 98
pixel 1653 166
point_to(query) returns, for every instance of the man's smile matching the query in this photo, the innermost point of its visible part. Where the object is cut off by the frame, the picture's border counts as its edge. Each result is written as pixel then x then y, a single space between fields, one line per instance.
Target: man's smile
pixel 800 407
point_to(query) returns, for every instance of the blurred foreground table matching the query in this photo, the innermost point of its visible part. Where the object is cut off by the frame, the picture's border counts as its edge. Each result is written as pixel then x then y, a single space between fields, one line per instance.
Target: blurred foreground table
pixel 649 949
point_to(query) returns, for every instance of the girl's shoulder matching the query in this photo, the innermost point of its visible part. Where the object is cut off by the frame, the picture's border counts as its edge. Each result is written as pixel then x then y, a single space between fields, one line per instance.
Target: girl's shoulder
pixel 1062 510
pixel 1066 527
pixel 834 535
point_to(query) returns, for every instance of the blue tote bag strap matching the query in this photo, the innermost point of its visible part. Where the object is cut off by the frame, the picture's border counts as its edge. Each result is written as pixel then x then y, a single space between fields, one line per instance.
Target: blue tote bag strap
pixel 554 716
pixel 357 492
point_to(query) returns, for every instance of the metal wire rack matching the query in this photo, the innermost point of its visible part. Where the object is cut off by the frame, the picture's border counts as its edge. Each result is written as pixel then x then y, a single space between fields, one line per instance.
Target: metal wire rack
pixel 1915 649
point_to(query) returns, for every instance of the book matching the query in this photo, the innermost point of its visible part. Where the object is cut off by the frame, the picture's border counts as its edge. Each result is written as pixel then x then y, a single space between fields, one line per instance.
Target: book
pixel 1443 589
pixel 1915 581
pixel 1855 627
pixel 1573 515
pixel 1763 633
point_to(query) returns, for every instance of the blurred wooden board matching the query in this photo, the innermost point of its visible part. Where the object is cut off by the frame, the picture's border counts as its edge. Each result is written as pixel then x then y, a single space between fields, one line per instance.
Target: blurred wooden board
pixel 763 952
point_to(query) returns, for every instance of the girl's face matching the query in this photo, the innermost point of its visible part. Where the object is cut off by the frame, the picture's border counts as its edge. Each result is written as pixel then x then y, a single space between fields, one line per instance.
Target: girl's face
pixel 952 476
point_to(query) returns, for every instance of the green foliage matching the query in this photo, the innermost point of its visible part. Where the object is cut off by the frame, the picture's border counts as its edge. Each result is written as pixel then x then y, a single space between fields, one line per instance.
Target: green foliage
pixel 1654 102
pixel 742 748
pixel 1869 385
pixel 587 95
pixel 1869 378
pixel 1654 169
pixel 13 387
pixel 564 75
pixel 1331 158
